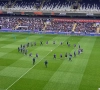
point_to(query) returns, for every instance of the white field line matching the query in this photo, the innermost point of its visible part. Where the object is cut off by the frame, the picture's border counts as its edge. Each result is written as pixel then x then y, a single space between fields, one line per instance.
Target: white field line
pixel 31 68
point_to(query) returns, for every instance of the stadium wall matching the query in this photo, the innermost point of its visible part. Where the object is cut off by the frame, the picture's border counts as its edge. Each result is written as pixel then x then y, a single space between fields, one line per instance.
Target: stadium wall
pixel 51 32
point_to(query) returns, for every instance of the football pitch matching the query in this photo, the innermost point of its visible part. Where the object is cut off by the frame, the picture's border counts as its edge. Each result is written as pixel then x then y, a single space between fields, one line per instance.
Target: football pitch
pixel 18 73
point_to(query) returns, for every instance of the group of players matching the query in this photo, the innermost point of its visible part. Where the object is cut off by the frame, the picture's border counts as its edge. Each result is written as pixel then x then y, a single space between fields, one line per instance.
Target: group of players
pixel 23 49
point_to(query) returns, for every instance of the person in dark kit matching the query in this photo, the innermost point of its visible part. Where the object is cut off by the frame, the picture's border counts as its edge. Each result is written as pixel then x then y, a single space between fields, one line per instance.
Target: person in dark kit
pixel 74 54
pixel 30 55
pixel 46 63
pixel 47 42
pixel 33 60
pixel 23 50
pixel 66 55
pixel 53 42
pixel 54 56
pixel 41 43
pixel 21 45
pixel 79 52
pixel 67 43
pixel 34 43
pixel 18 49
pixel 70 57
pixel 79 46
pixel 60 55
pixel 28 44
pixel 36 55
pixel 61 43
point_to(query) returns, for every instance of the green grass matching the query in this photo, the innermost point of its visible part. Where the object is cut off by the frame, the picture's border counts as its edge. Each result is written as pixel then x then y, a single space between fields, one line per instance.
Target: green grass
pixel 18 73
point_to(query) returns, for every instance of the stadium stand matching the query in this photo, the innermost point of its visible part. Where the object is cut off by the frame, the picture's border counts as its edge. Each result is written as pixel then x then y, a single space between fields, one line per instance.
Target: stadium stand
pixel 52 5
pixel 59 25
pixel 50 24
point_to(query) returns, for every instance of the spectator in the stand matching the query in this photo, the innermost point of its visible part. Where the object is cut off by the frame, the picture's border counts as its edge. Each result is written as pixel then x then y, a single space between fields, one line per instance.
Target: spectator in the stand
pixel 46 24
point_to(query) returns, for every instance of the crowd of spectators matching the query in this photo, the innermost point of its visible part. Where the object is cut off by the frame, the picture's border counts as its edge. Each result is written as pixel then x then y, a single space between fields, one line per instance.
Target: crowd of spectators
pixel 88 27
pixel 46 24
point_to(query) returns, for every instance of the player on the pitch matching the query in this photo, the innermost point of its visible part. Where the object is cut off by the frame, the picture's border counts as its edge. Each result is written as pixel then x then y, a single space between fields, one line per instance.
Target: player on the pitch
pixel 28 44
pixel 33 60
pixel 70 57
pixel 79 51
pixel 67 43
pixel 54 56
pixel 30 55
pixel 46 63
pixel 18 49
pixel 26 52
pixel 41 43
pixel 37 55
pixel 79 46
pixel 61 43
pixel 60 55
pixel 23 50
pixel 21 46
pixel 66 55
